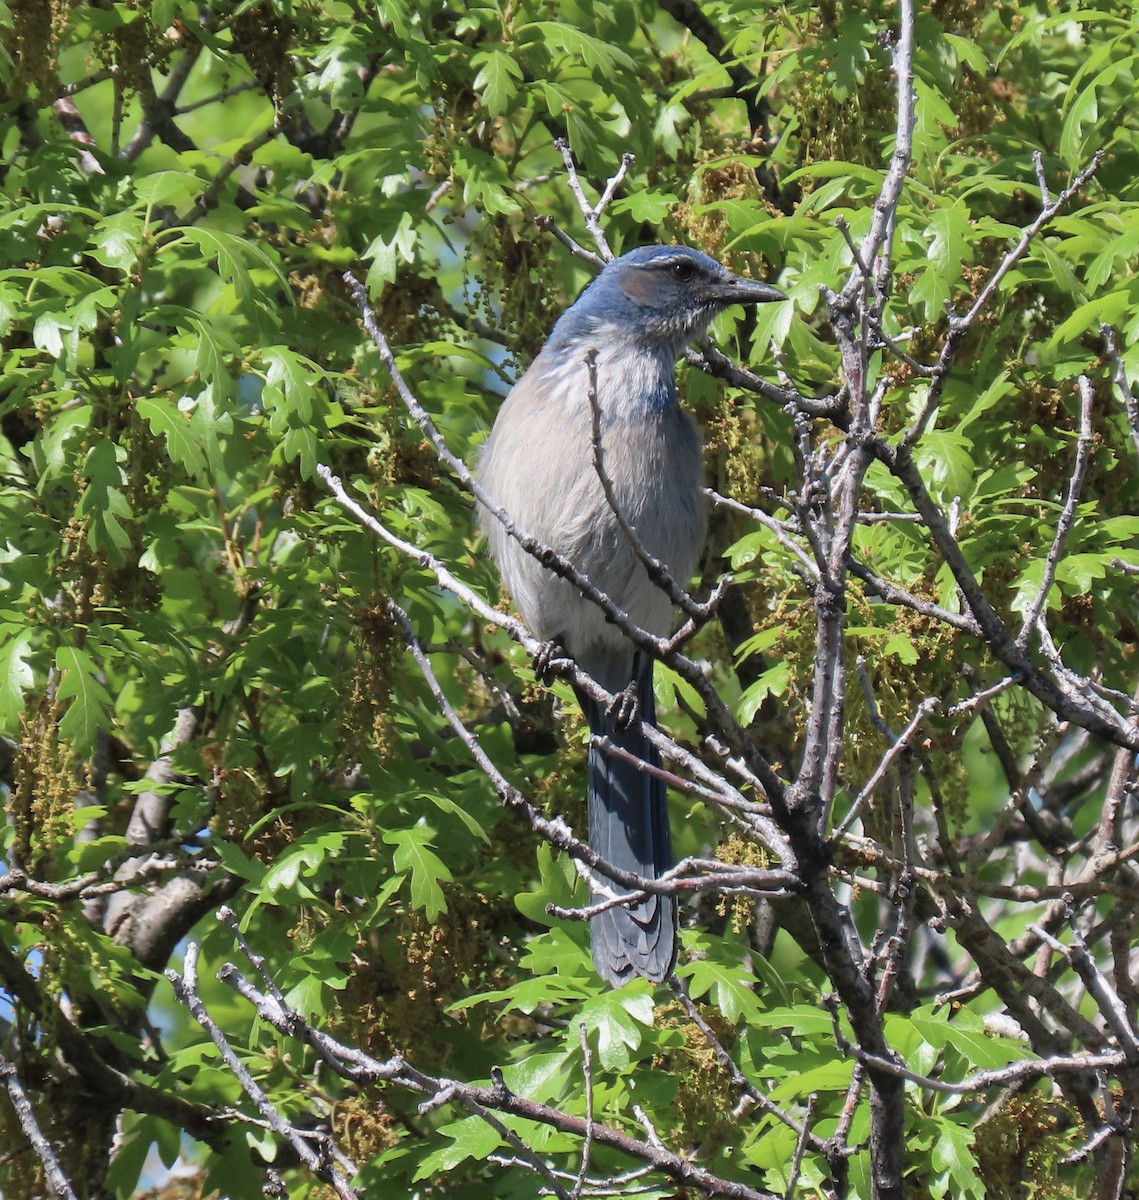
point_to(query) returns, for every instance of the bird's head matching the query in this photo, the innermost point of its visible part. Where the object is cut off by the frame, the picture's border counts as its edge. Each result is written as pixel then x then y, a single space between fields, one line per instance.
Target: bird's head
pixel 661 296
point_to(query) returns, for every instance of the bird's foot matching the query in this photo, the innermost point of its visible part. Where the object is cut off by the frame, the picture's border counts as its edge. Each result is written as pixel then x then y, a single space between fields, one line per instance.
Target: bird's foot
pixel 624 709
pixel 551 661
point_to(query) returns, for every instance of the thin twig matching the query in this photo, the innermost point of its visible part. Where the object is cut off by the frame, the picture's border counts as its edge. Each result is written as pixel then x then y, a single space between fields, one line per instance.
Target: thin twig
pixel 1119 378
pixel 545 222
pixel 900 745
pixel 776 527
pixel 320 1164
pixel 241 157
pixel 750 1095
pixel 1107 1001
pixel 657 571
pixel 1025 1071
pixel 591 212
pixel 587 1141
pixel 801 1147
pixel 961 323
pixel 1067 516
pixel 1064 696
pixel 41 1147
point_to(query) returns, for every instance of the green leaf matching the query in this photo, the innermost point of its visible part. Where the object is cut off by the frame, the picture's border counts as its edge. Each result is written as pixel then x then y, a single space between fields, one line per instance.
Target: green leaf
pixel 133 1145
pixel 396 15
pixel 851 53
pixel 969 53
pixel 773 682
pixel 308 997
pixel 953 1156
pixel 949 456
pixel 806 1020
pixel 414 856
pixel 16 675
pixel 103 501
pixel 301 444
pixel 730 986
pixel 89 709
pixel 214 352
pixel 162 12
pixel 497 79
pixel 1114 257
pixel 538 1076
pixel 1081 572
pixel 295 402
pixel 208 421
pixel 949 247
pixel 965 1034
pixel 578 44
pixel 344 61
pixel 901 647
pixel 175 429
pixel 117 240
pixel 386 252
pixel 986 399
pixel 453 809
pixel 472 1137
pixel 486 183
pixel 1082 112
pixel 289 387
pixel 235 256
pixel 619 1019
pixel 306 858
pixel 238 863
pixel 176 189
pixel 1089 317
pixel 556 879
pixel 647 205
pixel 550 987
pixel 11 306
pixel 55 334
pixel 1115 530
pixel 831 1076
pixel 557 952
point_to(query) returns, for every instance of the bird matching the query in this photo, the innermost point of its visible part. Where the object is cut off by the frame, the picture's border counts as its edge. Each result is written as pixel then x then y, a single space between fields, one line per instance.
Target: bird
pixel 538 466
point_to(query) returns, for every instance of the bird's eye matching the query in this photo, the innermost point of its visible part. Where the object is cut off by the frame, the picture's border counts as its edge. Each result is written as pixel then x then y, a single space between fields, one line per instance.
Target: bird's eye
pixel 682 272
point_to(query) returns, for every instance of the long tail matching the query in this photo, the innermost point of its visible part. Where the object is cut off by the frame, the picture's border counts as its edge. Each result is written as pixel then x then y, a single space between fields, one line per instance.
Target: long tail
pixel 628 827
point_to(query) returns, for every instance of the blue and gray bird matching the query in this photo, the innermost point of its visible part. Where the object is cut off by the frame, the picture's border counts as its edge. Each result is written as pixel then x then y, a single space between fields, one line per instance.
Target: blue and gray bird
pixel 538 465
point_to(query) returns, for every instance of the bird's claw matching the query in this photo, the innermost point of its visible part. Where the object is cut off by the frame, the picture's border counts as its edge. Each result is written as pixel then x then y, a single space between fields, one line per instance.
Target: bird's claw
pixel 624 709
pixel 550 661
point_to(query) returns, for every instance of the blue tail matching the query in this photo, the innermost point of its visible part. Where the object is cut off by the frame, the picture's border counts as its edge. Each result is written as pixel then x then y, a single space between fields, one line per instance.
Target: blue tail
pixel 628 827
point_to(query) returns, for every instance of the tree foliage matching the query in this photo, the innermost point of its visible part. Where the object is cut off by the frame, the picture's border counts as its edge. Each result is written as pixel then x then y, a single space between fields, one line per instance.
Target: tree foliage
pixel 904 743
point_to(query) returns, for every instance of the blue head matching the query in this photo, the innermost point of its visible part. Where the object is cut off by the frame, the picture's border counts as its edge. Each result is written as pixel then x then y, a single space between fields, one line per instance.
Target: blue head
pixel 661 297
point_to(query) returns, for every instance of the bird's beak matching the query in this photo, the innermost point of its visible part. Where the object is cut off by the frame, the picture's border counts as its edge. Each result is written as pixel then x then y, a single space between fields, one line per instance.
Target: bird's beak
pixel 733 290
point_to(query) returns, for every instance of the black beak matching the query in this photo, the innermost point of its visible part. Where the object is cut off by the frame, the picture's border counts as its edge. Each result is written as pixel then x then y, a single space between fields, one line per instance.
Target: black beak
pixel 731 289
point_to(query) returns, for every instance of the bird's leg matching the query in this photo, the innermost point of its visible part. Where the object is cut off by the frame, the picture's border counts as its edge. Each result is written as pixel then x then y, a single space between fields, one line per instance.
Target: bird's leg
pixel 551 660
pixel 624 709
